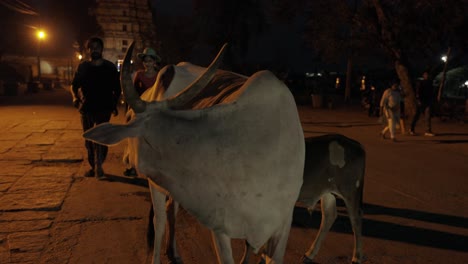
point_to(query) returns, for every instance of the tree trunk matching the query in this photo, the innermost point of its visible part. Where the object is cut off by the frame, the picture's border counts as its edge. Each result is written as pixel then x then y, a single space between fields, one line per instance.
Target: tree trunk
pixel 402 71
pixel 406 84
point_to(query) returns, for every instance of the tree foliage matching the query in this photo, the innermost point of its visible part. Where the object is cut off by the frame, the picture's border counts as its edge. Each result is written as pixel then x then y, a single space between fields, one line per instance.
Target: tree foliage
pixel 410 34
pixel 407 35
pixel 412 31
pixel 328 29
pixel 421 30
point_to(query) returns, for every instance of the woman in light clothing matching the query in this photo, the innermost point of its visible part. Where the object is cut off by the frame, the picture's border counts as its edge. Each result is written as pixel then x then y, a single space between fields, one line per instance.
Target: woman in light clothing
pixel 390 109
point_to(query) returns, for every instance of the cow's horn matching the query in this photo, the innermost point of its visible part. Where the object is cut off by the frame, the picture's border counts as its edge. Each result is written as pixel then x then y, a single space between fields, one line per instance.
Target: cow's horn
pixel 131 96
pixel 194 88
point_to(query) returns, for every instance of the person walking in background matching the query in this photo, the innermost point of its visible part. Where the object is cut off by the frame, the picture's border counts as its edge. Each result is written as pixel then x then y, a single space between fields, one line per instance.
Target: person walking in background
pixel 143 80
pixel 424 100
pixel 402 110
pixel 390 109
pixel 146 77
pixel 373 100
pixel 96 91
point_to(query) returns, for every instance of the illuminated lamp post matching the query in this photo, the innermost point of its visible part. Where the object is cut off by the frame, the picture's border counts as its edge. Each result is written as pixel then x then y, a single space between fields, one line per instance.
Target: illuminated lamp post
pixel 445 59
pixel 40 36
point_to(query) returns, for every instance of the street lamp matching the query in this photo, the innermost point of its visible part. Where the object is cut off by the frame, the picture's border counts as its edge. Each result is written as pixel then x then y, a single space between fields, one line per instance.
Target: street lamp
pixel 444 58
pixel 40 36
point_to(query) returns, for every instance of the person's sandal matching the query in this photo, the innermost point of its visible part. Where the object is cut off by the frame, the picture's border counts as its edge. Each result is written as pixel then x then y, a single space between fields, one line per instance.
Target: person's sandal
pixel 100 174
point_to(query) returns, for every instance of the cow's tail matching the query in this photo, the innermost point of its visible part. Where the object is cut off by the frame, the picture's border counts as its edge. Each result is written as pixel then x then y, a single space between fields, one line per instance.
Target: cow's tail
pixel 150 233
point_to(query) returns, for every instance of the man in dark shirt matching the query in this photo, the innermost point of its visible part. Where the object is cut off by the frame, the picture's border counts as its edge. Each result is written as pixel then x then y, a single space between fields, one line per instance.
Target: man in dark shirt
pixel 425 98
pixel 95 91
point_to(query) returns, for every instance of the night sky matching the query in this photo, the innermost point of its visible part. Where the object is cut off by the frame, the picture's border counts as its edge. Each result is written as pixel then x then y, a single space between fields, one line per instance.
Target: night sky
pixel 60 19
pixel 63 20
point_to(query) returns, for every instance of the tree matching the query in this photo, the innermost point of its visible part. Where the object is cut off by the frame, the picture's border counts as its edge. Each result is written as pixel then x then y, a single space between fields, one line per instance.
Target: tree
pixel 410 31
pixel 331 34
pixel 411 34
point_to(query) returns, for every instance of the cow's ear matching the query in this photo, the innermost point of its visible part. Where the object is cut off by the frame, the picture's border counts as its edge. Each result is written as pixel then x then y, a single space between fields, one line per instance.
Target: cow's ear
pixel 109 134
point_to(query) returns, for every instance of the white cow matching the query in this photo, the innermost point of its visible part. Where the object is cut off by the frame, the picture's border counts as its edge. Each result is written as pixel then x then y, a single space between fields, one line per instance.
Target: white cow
pixel 232 155
pixel 334 165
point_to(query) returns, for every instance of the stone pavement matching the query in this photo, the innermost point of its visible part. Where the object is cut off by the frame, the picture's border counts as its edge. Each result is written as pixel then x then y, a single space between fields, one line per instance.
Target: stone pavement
pixel 39 160
pixel 44 198
pixel 42 153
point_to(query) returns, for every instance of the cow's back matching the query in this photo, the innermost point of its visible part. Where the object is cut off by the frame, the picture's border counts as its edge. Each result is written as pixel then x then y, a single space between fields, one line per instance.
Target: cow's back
pixel 333 163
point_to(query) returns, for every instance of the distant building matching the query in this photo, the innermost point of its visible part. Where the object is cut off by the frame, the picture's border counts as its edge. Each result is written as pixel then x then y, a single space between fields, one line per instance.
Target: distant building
pixel 56 67
pixel 124 21
pixel 121 22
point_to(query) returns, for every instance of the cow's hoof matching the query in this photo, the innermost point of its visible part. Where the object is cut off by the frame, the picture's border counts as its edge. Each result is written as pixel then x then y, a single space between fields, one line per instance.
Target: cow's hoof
pixel 306 260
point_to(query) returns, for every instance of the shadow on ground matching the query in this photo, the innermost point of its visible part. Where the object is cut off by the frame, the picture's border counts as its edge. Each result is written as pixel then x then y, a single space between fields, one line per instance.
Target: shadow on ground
pixel 128 180
pixel 392 231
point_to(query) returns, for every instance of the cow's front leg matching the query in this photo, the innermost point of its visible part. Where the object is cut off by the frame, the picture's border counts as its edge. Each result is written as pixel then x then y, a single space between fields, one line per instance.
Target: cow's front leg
pixel 171 246
pixel 223 248
pixel 247 252
pixel 276 246
pixel 159 221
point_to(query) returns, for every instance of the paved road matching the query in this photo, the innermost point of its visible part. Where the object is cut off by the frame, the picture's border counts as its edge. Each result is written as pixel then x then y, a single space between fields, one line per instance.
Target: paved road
pixel 416 196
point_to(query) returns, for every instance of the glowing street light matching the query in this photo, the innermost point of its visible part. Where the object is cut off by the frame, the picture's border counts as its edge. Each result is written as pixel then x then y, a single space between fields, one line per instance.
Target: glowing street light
pixel 444 58
pixel 40 36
